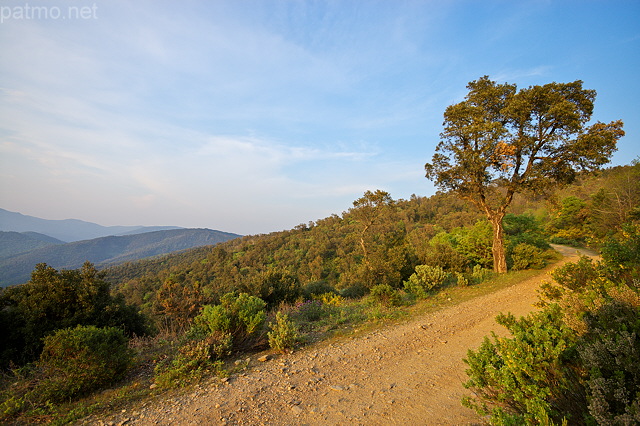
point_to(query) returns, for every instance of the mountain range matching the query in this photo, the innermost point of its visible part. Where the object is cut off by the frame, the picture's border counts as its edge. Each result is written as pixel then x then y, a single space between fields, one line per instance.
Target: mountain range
pixel 68 230
pixel 26 241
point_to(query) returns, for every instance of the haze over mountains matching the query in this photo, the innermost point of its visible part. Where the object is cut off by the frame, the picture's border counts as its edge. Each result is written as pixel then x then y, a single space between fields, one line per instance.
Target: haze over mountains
pixel 68 230
pixel 26 241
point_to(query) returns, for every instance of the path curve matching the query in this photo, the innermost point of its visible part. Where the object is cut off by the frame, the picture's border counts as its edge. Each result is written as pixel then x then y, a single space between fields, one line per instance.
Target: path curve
pixel 411 373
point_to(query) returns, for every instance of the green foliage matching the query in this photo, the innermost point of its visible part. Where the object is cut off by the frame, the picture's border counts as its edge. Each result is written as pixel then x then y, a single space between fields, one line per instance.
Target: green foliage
pixel 311 310
pixel 441 252
pixel 526 140
pixel 577 359
pixel 526 256
pixel 480 274
pixel 385 295
pixel 274 286
pixel 576 276
pixel 462 280
pixel 424 280
pixel 239 315
pixel 78 360
pixel 621 256
pixel 354 291
pixel 529 377
pixel 568 225
pixel 610 350
pixel 54 300
pixel 214 334
pixel 475 243
pixel 317 288
pixel 524 229
pixel 284 333
pixel 195 359
pixel 615 202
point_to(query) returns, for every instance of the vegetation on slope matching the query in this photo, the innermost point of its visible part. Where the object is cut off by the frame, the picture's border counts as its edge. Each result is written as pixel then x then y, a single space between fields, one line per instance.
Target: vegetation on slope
pixel 15 269
pixel 283 289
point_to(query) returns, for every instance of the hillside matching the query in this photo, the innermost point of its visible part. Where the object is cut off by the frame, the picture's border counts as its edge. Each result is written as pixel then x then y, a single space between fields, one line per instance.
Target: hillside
pixel 67 230
pixel 380 245
pixel 407 373
pixel 13 243
pixel 341 276
pixel 104 251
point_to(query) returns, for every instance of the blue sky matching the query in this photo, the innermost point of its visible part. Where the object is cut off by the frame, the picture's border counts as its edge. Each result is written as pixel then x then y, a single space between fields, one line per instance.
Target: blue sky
pixel 255 116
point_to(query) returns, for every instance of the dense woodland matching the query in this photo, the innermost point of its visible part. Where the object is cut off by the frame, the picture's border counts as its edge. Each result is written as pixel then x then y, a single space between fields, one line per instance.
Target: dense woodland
pixel 215 300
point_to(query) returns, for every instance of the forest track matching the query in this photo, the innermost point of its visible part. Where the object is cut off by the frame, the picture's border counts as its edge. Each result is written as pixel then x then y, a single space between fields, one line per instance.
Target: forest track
pixel 404 374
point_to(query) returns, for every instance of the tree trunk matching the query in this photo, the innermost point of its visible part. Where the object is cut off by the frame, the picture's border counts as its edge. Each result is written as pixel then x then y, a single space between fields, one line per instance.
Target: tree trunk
pixel 499 253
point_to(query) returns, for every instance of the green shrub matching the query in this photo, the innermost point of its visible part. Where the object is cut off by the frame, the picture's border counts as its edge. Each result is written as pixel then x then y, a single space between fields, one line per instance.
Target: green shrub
pixel 54 300
pixel 462 280
pixel 576 276
pixel 239 315
pixel 284 333
pixel 609 351
pixel 621 256
pixel 76 361
pixel 355 291
pixel 575 361
pixel 195 358
pixel 425 279
pixel 524 229
pixel 309 311
pixel 525 256
pixel 317 288
pixel 529 378
pixel 386 295
pixel 480 274
pixel 215 332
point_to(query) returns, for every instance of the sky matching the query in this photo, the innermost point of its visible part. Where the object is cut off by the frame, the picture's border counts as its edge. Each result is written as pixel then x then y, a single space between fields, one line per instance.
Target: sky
pixel 253 116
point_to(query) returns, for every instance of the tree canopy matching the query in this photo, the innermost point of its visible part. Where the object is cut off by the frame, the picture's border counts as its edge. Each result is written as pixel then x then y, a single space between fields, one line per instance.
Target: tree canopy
pixel 500 141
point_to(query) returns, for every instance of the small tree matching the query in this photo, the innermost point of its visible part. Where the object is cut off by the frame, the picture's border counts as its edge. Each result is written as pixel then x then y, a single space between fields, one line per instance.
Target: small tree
pixel 500 141
pixel 367 211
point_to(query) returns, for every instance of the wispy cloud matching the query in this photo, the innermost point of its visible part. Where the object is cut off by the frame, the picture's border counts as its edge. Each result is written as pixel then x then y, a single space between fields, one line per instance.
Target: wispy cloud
pixel 254 118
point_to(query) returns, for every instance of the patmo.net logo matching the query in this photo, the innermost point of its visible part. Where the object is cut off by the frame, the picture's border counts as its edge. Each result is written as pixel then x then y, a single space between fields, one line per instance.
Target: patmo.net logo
pixel 28 12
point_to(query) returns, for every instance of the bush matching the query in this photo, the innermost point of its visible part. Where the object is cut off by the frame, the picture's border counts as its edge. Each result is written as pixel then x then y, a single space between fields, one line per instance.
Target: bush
pixel 309 311
pixel 54 300
pixel 529 378
pixel 195 358
pixel 576 276
pixel 386 295
pixel 609 351
pixel 425 279
pixel 525 256
pixel 215 332
pixel 241 316
pixel 284 333
pixel 317 288
pixel 480 274
pixel 575 361
pixel 76 361
pixel 462 280
pixel 354 292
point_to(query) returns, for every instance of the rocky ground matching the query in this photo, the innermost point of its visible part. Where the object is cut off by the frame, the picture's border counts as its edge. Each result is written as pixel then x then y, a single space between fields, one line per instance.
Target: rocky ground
pixel 405 374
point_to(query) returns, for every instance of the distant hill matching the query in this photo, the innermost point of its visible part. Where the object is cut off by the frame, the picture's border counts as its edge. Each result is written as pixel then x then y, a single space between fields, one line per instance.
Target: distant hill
pixel 13 243
pixel 111 250
pixel 68 230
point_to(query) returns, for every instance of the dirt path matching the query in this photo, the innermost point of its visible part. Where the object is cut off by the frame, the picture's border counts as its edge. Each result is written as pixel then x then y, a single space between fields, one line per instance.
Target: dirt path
pixel 410 373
